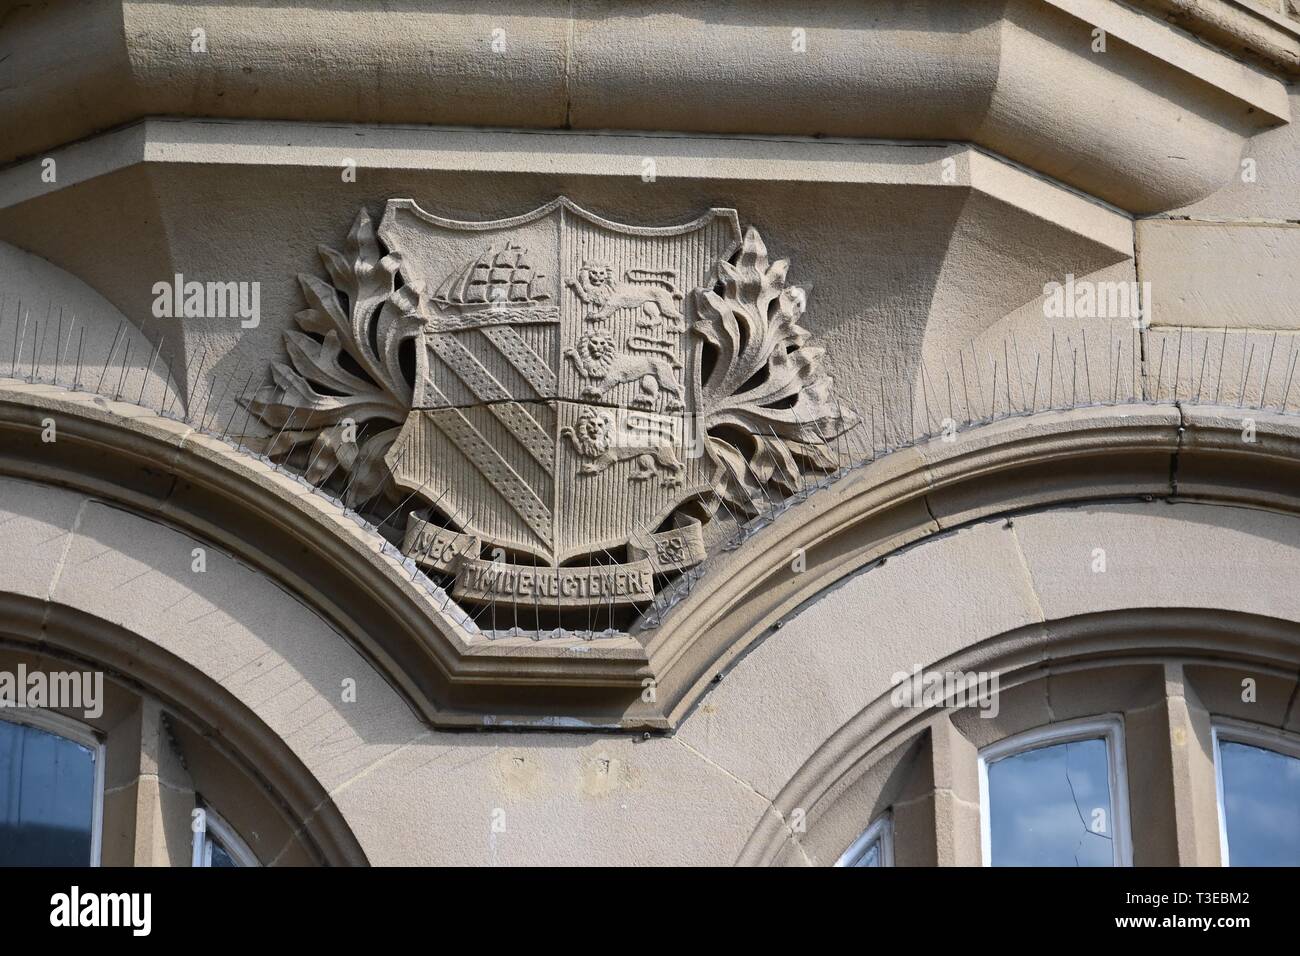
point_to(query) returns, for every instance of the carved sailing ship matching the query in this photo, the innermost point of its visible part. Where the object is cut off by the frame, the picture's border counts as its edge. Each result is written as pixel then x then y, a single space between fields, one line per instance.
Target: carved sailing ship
pixel 498 278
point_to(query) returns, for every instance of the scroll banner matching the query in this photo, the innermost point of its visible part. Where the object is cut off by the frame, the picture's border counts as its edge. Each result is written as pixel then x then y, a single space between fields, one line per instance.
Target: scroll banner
pixel 452 552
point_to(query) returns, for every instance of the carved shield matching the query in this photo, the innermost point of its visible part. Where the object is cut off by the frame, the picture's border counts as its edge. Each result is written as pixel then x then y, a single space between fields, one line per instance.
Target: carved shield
pixel 555 390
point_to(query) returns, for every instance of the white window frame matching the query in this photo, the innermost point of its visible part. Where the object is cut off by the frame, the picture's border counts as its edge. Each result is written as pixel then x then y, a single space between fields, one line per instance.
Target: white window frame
pixel 69 729
pixel 1253 735
pixel 215 828
pixel 881 829
pixel 1109 728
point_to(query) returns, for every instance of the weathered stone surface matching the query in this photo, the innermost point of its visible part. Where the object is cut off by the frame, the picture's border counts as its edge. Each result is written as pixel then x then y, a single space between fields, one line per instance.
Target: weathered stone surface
pixel 1236 275
pixel 1156 557
pixel 1267 187
pixel 805 680
pixel 513 799
pixel 37 525
pixel 286 665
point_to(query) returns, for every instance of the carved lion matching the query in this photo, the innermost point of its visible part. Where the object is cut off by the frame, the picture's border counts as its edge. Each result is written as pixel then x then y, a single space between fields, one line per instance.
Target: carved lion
pixel 591 436
pixel 590 433
pixel 653 292
pixel 598 361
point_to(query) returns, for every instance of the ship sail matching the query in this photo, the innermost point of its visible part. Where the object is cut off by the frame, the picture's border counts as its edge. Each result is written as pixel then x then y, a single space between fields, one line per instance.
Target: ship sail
pixel 498 277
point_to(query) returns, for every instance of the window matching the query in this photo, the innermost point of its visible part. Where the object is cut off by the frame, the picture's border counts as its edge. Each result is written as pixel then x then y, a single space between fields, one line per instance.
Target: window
pixel 1257 775
pixel 51 790
pixel 873 848
pixel 1056 796
pixel 216 844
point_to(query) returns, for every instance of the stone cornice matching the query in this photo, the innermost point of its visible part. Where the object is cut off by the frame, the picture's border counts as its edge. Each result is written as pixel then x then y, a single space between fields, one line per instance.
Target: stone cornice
pixel 1017 77
pixel 456 677
pixel 1247 28
pixel 310 146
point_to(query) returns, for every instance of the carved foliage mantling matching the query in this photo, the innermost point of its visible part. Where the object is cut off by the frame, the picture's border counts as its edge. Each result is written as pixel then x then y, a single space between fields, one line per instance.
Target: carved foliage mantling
pixel 767 402
pixel 345 366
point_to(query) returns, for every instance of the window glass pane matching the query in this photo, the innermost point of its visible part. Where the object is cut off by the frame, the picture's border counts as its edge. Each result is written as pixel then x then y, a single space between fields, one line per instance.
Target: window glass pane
pixel 47 798
pixel 1261 804
pixel 871 857
pixel 220 857
pixel 1051 806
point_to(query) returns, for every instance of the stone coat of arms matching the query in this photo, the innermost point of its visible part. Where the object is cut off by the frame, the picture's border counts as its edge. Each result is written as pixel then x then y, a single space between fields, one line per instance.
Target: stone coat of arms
pixel 559 400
